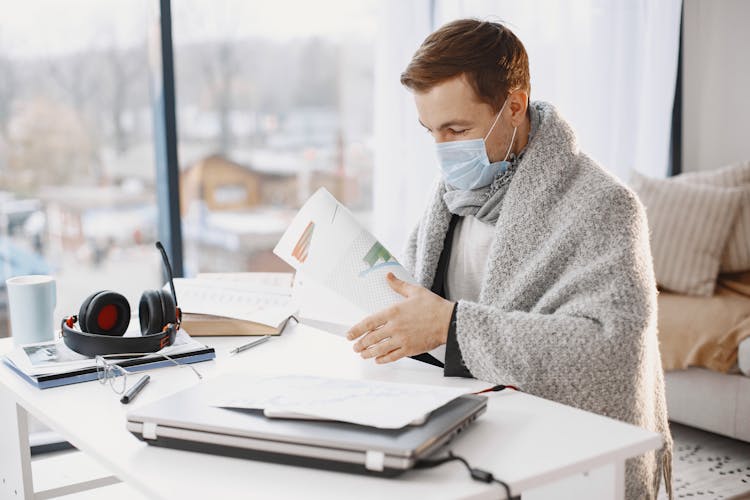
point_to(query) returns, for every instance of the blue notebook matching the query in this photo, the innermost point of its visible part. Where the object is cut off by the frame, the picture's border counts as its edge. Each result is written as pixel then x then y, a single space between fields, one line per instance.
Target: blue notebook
pixel 132 365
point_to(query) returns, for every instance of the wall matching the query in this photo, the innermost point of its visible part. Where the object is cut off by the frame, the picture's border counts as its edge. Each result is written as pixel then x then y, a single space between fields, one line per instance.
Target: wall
pixel 716 83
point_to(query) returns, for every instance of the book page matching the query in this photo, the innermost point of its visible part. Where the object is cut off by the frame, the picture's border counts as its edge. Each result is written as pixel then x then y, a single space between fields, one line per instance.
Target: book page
pixel 268 305
pixel 277 280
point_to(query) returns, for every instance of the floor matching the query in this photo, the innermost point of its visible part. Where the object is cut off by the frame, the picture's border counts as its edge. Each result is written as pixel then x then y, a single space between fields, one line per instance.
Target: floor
pixel 705 466
pixel 53 470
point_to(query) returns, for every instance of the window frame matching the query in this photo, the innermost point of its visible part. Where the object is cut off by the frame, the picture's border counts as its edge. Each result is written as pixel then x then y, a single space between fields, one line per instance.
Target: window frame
pixel 165 143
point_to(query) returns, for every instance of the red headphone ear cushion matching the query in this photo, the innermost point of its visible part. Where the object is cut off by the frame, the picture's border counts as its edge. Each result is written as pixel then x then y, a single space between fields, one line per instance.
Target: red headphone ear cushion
pixel 83 311
pixel 105 313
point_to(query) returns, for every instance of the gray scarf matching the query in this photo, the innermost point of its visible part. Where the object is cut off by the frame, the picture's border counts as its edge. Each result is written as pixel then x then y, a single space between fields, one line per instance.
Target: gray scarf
pixel 484 203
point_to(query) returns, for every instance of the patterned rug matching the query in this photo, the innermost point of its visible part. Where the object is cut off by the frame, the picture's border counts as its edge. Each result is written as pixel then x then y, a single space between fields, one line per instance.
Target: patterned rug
pixel 707 465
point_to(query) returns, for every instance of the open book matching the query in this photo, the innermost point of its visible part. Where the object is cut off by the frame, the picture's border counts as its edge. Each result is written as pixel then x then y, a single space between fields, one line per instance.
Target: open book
pixel 235 303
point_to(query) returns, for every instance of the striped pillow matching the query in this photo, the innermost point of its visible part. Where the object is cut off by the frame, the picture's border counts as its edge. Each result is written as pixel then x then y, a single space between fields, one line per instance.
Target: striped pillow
pixel 689 226
pixel 736 256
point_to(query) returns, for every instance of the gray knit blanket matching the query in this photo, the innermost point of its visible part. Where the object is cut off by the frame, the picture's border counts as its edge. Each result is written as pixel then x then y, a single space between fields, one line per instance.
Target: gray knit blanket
pixel 567 308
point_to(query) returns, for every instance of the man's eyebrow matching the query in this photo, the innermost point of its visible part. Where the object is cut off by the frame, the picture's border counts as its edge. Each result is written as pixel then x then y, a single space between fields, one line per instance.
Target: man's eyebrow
pixel 451 123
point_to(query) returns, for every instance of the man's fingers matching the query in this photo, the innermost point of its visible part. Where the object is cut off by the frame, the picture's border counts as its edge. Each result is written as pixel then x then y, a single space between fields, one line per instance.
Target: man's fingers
pixel 381 348
pixel 367 325
pixel 371 338
pixel 394 355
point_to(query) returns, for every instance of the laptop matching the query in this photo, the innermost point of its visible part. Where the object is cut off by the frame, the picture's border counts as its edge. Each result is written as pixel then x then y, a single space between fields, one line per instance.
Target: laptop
pixel 185 421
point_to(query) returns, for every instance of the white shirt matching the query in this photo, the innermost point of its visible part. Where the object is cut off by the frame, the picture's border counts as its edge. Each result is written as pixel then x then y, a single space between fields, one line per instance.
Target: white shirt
pixel 470 248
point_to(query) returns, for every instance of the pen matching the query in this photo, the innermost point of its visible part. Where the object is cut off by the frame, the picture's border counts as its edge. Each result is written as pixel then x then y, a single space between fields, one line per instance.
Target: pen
pixel 241 348
pixel 133 391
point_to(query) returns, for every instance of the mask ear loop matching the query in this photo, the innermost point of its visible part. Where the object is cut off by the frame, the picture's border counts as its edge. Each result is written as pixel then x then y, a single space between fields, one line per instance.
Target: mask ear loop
pixel 496 119
pixel 512 139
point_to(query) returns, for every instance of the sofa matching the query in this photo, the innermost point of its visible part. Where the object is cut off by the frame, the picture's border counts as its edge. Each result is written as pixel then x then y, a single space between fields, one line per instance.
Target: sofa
pixel 709 400
pixel 700 240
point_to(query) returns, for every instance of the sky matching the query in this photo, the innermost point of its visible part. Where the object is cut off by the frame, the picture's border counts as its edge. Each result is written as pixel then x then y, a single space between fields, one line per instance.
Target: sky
pixel 44 28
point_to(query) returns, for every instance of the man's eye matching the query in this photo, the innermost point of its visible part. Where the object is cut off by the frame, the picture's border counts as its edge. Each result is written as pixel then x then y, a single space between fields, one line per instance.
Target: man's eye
pixel 457 132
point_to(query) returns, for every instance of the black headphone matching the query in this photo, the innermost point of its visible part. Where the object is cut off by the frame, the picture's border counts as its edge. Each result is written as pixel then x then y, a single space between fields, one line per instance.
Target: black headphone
pixel 104 317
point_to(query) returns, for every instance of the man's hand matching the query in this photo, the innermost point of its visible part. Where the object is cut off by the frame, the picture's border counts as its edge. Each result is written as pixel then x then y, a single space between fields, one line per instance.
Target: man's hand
pixel 416 325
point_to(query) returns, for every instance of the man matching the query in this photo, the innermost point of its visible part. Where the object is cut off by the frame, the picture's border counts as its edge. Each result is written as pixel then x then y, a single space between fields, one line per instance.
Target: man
pixel 534 263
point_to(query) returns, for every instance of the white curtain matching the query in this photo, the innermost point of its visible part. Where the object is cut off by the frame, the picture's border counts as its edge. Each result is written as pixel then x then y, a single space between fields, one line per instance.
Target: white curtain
pixel 609 66
pixel 405 164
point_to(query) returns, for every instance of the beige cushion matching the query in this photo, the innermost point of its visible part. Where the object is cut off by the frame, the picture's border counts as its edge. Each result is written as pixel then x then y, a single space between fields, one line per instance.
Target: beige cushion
pixel 738 282
pixel 689 226
pixel 736 255
pixel 703 331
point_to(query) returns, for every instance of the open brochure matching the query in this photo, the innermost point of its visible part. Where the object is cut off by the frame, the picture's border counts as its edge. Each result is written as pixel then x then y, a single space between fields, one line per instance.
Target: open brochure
pixel 46 358
pixel 327 244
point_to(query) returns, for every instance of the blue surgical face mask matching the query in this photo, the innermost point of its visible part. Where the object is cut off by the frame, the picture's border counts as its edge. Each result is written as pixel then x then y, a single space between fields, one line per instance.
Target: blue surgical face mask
pixel 465 164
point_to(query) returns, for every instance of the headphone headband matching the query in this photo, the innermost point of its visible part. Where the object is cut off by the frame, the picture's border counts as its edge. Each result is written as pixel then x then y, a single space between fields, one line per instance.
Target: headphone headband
pixel 168 267
pixel 91 344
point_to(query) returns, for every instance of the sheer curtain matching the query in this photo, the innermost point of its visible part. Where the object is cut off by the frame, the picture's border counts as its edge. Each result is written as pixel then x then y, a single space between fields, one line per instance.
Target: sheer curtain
pixel 405 164
pixel 608 66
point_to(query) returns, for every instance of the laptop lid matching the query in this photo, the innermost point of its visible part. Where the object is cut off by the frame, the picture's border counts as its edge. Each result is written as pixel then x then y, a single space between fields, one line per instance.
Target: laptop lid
pixel 185 420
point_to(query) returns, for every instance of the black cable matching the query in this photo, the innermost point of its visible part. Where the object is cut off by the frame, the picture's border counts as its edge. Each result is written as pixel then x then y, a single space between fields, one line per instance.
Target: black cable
pixel 476 474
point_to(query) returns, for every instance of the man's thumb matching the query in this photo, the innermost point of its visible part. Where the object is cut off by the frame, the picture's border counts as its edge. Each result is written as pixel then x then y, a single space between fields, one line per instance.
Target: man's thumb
pixel 399 286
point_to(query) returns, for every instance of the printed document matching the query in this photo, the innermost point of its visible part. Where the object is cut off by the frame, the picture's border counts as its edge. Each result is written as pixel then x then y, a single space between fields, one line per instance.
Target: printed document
pixel 385 405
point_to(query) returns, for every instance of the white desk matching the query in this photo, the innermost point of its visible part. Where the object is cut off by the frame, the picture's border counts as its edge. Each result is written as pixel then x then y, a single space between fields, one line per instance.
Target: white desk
pixel 540 448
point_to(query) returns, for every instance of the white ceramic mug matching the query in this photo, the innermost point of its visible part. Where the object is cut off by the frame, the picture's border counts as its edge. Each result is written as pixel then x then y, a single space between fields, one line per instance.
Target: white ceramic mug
pixel 31 303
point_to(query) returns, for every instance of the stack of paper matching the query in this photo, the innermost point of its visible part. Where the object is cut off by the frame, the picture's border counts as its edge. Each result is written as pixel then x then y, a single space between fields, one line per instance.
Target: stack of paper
pixel 384 405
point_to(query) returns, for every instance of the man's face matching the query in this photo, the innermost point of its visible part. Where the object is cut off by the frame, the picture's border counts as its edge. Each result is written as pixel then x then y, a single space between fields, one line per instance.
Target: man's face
pixel 451 111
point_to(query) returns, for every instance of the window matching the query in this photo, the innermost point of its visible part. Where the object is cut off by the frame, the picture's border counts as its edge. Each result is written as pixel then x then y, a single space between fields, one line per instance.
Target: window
pixel 76 148
pixel 274 99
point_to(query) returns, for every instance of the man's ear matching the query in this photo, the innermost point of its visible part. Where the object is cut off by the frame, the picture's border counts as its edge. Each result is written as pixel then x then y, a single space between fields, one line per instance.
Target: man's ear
pixel 518 102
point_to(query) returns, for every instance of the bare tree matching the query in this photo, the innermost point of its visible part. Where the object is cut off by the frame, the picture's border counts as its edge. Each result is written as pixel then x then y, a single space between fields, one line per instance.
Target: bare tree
pixel 51 146
pixel 126 68
pixel 8 91
pixel 220 66
pixel 220 62
pixel 75 76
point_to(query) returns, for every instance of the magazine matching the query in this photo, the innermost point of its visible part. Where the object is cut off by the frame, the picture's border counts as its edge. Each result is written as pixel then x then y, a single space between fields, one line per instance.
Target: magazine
pixel 52 357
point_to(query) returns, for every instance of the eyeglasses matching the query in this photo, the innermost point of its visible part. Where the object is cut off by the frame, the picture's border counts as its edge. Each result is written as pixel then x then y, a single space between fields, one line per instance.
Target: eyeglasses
pixel 117 376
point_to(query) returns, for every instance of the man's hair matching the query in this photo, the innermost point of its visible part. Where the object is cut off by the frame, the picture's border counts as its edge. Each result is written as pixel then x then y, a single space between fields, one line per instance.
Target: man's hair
pixel 492 57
